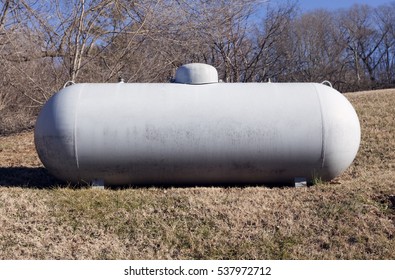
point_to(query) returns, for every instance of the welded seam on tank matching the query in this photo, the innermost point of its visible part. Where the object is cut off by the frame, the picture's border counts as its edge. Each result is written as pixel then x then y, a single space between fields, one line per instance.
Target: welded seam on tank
pixel 322 127
pixel 75 128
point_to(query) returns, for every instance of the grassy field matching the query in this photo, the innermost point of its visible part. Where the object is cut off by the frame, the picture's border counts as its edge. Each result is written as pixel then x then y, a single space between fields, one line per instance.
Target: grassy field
pixel 350 218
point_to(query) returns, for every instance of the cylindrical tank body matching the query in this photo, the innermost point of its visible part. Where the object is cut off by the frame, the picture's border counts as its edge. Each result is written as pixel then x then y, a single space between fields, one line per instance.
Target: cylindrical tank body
pixel 197 134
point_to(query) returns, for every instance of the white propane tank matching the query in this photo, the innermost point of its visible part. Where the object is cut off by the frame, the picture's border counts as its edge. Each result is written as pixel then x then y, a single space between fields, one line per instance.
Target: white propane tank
pixel 197 131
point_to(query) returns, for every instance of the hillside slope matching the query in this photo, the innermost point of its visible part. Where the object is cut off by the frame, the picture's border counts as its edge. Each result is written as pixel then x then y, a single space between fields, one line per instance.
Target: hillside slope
pixel 350 218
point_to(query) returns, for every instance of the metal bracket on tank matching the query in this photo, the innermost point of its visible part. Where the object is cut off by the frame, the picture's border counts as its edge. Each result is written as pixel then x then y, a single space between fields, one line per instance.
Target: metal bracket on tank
pixel 328 83
pixel 68 83
pixel 300 182
pixel 98 184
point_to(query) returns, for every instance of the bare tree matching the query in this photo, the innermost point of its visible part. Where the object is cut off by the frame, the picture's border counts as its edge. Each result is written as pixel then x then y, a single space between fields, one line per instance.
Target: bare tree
pixel 272 53
pixel 45 43
pixel 363 41
pixel 385 18
pixel 318 49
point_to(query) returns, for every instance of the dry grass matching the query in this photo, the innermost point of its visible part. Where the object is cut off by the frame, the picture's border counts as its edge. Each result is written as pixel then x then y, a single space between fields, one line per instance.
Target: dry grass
pixel 353 218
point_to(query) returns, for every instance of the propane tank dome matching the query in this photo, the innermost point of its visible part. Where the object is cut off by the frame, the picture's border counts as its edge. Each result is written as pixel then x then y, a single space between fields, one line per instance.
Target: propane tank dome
pixel 196 74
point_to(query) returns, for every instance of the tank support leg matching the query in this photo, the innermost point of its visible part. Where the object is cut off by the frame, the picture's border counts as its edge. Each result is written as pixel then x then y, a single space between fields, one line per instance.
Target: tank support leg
pixel 300 182
pixel 98 184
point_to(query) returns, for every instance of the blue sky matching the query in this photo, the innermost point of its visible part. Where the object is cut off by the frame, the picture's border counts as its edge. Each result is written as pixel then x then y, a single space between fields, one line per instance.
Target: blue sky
pixel 307 5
